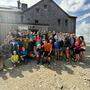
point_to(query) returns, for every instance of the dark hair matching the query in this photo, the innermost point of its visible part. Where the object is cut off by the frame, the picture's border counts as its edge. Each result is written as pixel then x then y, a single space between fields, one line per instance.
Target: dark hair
pixel 82 37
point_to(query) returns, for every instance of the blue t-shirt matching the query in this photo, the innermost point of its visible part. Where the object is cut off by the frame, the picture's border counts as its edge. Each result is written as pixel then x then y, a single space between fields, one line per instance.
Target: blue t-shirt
pixel 23 52
pixel 56 45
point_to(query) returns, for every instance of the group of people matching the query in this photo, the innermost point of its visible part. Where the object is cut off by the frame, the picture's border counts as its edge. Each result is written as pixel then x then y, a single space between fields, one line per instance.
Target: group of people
pixel 44 47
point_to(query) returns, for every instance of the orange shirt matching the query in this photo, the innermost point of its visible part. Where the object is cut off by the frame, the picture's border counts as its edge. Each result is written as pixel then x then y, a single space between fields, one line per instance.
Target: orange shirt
pixel 47 47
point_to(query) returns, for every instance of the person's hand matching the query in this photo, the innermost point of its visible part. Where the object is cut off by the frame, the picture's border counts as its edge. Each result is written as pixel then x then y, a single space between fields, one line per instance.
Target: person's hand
pixel 49 54
pixel 22 58
pixel 18 62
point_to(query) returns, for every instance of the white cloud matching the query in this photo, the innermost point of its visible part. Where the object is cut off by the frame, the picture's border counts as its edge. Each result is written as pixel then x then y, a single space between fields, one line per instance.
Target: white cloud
pixel 8 2
pixel 86 7
pixel 83 17
pixel 72 5
pixel 30 2
pixel 84 29
pixel 14 2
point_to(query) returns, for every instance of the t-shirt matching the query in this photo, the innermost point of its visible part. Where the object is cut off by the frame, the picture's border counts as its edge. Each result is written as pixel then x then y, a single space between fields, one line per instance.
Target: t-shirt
pixel 31 46
pixel 14 58
pixel 24 52
pixel 56 45
pixel 47 47
pixel 38 39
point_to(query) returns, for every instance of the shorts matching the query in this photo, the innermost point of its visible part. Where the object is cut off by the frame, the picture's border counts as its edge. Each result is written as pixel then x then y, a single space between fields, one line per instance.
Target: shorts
pixel 82 49
pixel 46 54
pixel 57 49
pixel 77 51
pixel 15 63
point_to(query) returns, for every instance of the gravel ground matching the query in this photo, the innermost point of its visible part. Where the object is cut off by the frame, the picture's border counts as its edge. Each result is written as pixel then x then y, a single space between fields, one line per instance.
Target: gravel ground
pixel 57 76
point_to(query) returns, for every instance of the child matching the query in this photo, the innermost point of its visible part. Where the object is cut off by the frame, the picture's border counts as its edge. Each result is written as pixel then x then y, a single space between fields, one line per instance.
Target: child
pixel 47 52
pixel 77 50
pixel 68 55
pixel 30 50
pixel 15 59
pixel 39 53
pixel 24 55
pixel 37 39
pixel 57 49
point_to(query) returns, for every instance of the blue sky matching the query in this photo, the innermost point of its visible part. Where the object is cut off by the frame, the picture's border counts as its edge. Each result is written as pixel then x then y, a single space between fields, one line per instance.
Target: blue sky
pixel 79 8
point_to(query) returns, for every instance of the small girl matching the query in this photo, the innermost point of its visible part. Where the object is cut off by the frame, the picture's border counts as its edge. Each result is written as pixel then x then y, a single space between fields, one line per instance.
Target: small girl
pixel 77 50
pixel 68 54
pixel 15 59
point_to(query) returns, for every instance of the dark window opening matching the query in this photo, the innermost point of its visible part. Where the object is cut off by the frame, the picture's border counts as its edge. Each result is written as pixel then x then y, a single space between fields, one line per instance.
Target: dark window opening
pixel 33 26
pixel 36 21
pixel 37 10
pixel 59 21
pixel 66 22
pixel 28 19
pixel 45 6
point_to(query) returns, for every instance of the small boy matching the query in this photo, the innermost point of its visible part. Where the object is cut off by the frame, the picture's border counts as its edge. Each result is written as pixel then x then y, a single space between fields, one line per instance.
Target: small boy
pixel 24 55
pixel 15 59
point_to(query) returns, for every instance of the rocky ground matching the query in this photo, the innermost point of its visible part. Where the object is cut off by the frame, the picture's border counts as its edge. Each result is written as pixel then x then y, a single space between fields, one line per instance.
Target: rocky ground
pixel 57 76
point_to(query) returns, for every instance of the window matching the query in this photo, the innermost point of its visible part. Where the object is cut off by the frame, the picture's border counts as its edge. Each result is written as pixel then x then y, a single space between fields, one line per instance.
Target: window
pixel 66 22
pixel 45 6
pixel 36 21
pixel 59 21
pixel 28 19
pixel 37 10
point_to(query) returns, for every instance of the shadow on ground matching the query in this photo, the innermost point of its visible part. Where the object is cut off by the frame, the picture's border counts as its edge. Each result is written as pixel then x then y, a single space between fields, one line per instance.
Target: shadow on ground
pixel 57 66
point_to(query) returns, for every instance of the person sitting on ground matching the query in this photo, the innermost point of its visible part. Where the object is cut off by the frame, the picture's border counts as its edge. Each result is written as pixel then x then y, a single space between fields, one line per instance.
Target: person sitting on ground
pixel 24 55
pixel 15 59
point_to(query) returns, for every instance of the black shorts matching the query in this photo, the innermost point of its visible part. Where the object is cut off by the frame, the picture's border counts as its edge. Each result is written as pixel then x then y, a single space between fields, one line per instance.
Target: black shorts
pixel 46 54
pixel 77 51
pixel 82 49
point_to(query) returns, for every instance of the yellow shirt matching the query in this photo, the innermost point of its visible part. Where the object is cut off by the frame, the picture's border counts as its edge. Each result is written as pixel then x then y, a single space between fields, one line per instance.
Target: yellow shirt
pixel 14 58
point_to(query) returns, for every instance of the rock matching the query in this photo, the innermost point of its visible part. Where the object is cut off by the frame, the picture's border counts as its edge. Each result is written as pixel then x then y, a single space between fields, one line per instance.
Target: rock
pixel 85 83
pixel 88 80
pixel 55 75
pixel 61 87
pixel 5 77
pixel 74 88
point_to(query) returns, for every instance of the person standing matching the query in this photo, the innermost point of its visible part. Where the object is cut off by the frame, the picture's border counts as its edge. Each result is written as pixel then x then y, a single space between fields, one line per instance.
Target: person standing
pixel 1 59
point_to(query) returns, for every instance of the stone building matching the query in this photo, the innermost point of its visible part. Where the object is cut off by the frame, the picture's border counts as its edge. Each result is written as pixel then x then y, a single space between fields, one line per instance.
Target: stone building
pixel 44 15
pixel 47 12
pixel 10 18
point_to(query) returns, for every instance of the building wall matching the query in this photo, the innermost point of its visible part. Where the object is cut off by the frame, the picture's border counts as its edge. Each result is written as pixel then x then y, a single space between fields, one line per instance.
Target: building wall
pixel 6 28
pixel 49 16
pixel 9 21
pixel 10 17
